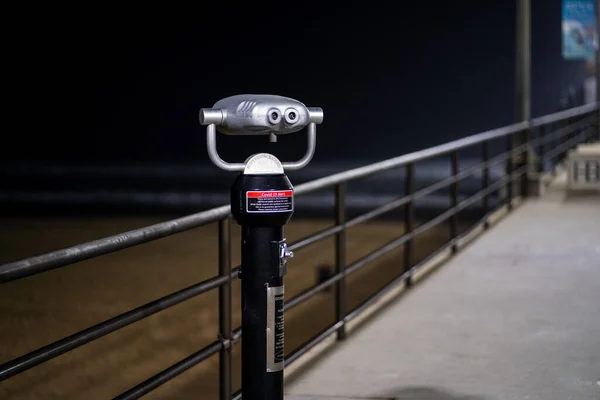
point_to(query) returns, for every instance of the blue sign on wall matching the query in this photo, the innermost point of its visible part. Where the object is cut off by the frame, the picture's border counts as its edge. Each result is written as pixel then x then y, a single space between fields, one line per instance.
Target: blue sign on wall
pixel 580 38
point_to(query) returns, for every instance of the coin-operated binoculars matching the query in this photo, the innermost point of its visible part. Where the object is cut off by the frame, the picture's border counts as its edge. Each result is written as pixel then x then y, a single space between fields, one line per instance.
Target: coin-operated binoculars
pixel 262 202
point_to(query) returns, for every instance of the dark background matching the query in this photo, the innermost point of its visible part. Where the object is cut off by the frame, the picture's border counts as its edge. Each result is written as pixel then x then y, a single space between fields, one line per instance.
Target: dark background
pixel 122 86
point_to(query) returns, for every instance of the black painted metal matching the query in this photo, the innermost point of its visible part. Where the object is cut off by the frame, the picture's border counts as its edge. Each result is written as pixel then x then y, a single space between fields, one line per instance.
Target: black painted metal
pixel 260 269
pixel 60 258
pixel 525 160
pixel 225 333
pixel 175 370
pixel 72 342
pixel 454 201
pixel 509 171
pixel 340 258
pixel 541 153
pixel 486 179
pixel 549 146
pixel 409 216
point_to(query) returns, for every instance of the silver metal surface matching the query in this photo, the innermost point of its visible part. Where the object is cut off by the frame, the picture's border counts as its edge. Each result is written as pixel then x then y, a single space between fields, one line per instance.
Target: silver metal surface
pixel 211 116
pixel 256 114
pixel 259 114
pixel 273 294
pixel 284 254
pixel 562 115
pixel 263 164
pixel 310 150
pixel 211 147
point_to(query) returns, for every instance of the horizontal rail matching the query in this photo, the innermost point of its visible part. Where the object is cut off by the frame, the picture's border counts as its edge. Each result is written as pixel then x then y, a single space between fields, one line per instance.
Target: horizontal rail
pixel 467 172
pixel 315 237
pixel 293 356
pixel 392 205
pixel 49 261
pixel 310 292
pixel 97 331
pixel 358 264
pixel 562 115
pixel 386 248
pixel 173 371
pixel 45 262
pixel 60 258
pixel 415 157
pixel 561 132
pixel 432 188
pixel 303 349
pixel 562 147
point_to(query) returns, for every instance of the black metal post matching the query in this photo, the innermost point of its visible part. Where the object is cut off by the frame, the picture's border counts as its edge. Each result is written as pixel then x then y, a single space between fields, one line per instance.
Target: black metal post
pixel 225 309
pixel 597 119
pixel 262 205
pixel 525 157
pixel 454 202
pixel 262 288
pixel 486 180
pixel 555 142
pixel 593 128
pixel 542 151
pixel 409 219
pixel 509 171
pixel 340 258
pixel 569 135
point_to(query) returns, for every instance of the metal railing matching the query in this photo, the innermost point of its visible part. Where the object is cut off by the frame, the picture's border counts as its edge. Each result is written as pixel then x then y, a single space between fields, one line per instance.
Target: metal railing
pixel 546 140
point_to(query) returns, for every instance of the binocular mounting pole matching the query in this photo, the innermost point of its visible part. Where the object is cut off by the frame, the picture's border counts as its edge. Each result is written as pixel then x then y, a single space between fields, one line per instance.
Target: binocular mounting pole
pixel 262 202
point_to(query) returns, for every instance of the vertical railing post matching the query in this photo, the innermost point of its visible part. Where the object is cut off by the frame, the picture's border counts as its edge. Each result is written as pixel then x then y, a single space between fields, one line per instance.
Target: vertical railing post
pixel 542 151
pixel 225 309
pixel 597 118
pixel 509 171
pixel 593 128
pixel 554 131
pixel 527 159
pixel 454 201
pixel 568 137
pixel 340 258
pixel 588 129
pixel 486 180
pixel 409 220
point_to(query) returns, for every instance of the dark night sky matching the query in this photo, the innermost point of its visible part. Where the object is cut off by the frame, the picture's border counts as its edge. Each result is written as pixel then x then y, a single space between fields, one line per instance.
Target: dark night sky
pixel 125 85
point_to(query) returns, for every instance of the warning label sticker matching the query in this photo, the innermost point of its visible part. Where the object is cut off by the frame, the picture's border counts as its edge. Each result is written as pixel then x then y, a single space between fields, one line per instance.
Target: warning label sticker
pixel 270 201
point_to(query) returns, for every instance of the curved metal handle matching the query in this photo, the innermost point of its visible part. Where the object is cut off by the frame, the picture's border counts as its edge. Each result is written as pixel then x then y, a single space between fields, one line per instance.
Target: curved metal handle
pixel 310 150
pixel 211 145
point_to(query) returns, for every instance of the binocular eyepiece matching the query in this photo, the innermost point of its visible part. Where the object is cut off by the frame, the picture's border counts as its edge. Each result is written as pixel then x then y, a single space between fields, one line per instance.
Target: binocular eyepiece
pixel 255 114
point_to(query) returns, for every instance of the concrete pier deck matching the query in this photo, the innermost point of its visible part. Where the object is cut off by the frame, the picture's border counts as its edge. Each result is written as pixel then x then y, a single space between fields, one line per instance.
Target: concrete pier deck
pixel 515 315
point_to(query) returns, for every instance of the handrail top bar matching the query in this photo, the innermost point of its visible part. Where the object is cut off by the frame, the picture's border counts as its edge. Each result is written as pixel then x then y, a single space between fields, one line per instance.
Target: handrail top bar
pixel 59 258
pixel 570 113
pixel 439 150
pixel 408 158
